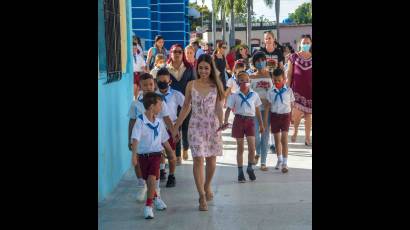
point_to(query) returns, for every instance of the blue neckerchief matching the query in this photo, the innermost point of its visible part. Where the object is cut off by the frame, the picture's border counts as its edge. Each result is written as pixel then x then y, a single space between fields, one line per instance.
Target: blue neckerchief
pixel 279 93
pixel 163 96
pixel 155 128
pixel 236 80
pixel 140 99
pixel 245 99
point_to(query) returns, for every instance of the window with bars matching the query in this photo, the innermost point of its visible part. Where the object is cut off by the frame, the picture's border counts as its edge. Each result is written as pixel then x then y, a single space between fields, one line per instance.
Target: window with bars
pixel 112 40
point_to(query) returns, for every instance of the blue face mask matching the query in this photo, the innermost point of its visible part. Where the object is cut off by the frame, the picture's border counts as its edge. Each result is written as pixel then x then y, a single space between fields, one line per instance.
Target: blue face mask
pixel 260 65
pixel 305 47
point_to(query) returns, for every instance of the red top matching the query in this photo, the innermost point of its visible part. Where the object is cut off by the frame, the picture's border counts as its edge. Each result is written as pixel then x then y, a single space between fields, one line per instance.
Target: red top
pixel 230 58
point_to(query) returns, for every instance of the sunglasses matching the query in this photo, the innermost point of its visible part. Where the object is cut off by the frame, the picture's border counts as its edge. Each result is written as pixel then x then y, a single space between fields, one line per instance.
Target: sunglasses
pixel 177 51
pixel 223 47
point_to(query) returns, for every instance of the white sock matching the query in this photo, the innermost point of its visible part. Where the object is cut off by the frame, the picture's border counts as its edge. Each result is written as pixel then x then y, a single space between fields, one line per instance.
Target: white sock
pixel 141 181
pixel 280 158
pixel 285 160
pixel 161 166
pixel 158 190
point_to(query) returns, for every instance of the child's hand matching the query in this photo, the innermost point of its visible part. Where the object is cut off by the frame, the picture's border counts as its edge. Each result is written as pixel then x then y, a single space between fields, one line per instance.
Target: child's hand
pixel 261 128
pixel 175 133
pixel 222 127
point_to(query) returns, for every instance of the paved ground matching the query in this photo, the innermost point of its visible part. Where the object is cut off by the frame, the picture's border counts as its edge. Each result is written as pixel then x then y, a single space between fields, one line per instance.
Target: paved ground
pixel 274 201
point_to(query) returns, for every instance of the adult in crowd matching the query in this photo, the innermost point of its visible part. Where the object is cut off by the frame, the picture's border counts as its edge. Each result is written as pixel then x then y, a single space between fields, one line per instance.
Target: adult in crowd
pixel 198 50
pixel 204 97
pixel 273 53
pixel 181 73
pixel 300 80
pixel 156 49
pixel 221 63
pixel 243 53
pixel 190 55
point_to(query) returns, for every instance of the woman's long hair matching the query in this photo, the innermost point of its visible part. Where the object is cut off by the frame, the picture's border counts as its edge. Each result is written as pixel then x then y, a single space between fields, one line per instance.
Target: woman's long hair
pixel 186 63
pixel 214 78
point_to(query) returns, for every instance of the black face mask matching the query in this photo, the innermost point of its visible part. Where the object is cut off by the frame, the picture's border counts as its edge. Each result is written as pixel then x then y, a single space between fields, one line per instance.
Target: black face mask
pixel 162 85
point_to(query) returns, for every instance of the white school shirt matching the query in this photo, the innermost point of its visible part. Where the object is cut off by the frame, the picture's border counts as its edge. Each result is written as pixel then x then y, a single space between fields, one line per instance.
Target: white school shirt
pixel 277 106
pixel 173 99
pixel 231 83
pixel 147 141
pixel 137 108
pixel 235 101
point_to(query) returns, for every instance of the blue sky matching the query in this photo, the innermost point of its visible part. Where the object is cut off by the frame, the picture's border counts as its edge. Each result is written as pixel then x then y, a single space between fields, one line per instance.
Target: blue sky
pixel 286 7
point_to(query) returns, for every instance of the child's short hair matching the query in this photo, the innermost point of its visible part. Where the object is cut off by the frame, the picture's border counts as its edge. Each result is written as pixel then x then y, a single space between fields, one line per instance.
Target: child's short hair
pixel 150 98
pixel 258 55
pixel 240 63
pixel 278 72
pixel 159 57
pixel 146 76
pixel 242 73
pixel 162 71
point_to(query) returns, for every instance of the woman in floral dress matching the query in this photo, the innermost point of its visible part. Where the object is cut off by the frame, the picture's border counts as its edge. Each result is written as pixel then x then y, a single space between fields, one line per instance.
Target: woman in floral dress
pixel 205 96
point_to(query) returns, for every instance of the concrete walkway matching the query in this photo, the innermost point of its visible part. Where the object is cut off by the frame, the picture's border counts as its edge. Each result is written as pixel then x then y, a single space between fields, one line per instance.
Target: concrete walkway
pixel 274 201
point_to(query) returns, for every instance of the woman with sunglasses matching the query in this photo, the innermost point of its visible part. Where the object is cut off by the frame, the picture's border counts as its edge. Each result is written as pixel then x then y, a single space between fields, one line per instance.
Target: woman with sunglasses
pixel 300 80
pixel 181 72
pixel 243 53
pixel 220 61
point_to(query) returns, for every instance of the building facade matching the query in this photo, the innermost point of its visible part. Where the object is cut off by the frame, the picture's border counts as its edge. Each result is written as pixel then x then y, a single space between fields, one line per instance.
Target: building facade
pixel 168 18
pixel 114 99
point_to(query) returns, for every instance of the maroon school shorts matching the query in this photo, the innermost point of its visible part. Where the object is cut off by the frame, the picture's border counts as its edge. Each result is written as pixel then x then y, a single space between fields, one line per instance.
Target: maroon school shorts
pixel 171 141
pixel 149 165
pixel 136 78
pixel 243 126
pixel 279 122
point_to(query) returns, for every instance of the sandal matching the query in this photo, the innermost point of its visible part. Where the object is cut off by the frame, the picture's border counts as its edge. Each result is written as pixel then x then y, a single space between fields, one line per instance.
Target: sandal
pixel 203 206
pixel 256 159
pixel 185 155
pixel 209 196
pixel 264 168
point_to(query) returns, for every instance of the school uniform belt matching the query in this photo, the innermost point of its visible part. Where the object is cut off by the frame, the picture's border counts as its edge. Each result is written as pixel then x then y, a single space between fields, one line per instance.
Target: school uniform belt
pixel 280 114
pixel 149 154
pixel 244 117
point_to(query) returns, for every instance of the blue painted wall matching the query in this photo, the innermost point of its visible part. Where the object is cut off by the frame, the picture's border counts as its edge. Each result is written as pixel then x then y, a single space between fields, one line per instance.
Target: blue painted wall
pixel 168 18
pixel 114 99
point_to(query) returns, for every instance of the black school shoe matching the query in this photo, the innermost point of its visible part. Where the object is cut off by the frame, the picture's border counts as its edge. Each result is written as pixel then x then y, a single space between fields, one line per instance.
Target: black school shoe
pixel 162 174
pixel 171 181
pixel 241 178
pixel 251 174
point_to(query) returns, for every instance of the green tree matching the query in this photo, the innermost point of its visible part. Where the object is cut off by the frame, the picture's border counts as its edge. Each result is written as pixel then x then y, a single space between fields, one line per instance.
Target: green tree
pixel 205 13
pixel 230 8
pixel 269 3
pixel 303 14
